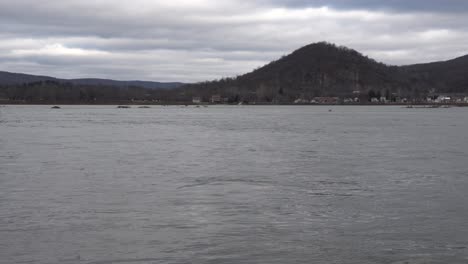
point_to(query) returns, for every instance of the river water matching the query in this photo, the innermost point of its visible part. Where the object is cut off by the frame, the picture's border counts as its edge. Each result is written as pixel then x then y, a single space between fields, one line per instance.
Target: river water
pixel 233 184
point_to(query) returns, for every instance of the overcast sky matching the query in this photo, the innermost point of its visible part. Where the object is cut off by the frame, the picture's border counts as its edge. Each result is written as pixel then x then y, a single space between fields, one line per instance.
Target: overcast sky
pixel 196 40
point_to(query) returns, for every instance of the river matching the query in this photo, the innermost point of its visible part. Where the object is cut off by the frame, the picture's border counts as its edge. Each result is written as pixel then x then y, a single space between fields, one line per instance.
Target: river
pixel 233 184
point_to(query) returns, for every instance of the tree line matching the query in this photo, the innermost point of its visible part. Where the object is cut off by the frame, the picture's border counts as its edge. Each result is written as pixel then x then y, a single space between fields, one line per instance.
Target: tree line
pixel 63 92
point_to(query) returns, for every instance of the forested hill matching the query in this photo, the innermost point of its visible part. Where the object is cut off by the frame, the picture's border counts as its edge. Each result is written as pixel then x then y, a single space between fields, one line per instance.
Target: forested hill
pixel 24 88
pixel 9 78
pixel 446 76
pixel 324 69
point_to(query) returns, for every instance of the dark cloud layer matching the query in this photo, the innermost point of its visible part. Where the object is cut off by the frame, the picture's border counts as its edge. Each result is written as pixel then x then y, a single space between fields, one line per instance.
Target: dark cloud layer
pixel 395 5
pixel 195 40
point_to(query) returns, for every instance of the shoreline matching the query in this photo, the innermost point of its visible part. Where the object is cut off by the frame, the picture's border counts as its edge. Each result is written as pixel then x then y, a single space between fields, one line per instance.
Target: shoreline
pixel 413 105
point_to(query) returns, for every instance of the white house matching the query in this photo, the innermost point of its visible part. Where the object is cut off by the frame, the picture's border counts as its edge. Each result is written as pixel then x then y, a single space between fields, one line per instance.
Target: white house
pixel 301 101
pixel 443 99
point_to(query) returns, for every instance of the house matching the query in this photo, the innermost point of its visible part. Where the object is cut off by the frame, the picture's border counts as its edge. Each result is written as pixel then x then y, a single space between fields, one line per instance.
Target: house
pixel 301 101
pixel 351 100
pixel 215 99
pixel 443 99
pixel 326 100
pixel 196 100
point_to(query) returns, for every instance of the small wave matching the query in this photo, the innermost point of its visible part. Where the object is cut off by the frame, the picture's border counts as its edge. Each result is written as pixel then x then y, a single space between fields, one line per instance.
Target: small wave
pixel 331 194
pixel 214 181
pixel 338 182
pixel 123 261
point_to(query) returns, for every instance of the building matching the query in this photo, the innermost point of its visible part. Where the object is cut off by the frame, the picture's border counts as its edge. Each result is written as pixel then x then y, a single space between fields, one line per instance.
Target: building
pixel 196 100
pixel 447 98
pixel 301 101
pixel 216 99
pixel 443 99
pixel 326 100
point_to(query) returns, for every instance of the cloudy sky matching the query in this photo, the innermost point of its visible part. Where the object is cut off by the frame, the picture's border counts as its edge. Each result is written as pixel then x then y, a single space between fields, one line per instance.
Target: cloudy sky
pixel 196 40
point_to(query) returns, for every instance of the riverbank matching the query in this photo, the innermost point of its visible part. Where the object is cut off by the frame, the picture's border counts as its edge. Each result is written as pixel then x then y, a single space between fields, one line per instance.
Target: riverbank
pixel 409 105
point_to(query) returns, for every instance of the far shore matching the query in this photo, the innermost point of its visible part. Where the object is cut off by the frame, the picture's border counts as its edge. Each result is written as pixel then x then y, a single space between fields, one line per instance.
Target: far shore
pixel 415 105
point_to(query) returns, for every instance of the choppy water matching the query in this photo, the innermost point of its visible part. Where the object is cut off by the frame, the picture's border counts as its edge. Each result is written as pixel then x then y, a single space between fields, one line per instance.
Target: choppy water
pixel 99 185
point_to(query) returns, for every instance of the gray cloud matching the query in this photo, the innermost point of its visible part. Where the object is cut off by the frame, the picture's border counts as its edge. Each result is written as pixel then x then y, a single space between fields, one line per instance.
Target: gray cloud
pixel 397 5
pixel 195 40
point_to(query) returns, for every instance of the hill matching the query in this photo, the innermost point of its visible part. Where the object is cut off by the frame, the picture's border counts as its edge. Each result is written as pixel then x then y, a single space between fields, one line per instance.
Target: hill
pixel 324 69
pixel 444 77
pixel 25 88
pixel 8 78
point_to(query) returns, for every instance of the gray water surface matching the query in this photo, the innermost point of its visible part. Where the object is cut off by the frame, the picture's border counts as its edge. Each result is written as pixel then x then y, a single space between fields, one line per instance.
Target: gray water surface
pixel 244 184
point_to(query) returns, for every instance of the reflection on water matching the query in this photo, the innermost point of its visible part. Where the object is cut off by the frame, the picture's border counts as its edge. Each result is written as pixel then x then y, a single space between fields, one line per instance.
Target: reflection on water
pixel 233 185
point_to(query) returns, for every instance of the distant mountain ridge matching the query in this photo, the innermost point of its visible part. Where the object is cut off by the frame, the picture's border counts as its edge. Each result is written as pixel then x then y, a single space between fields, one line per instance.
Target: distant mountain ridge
pixel 9 78
pixel 449 76
pixel 316 70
